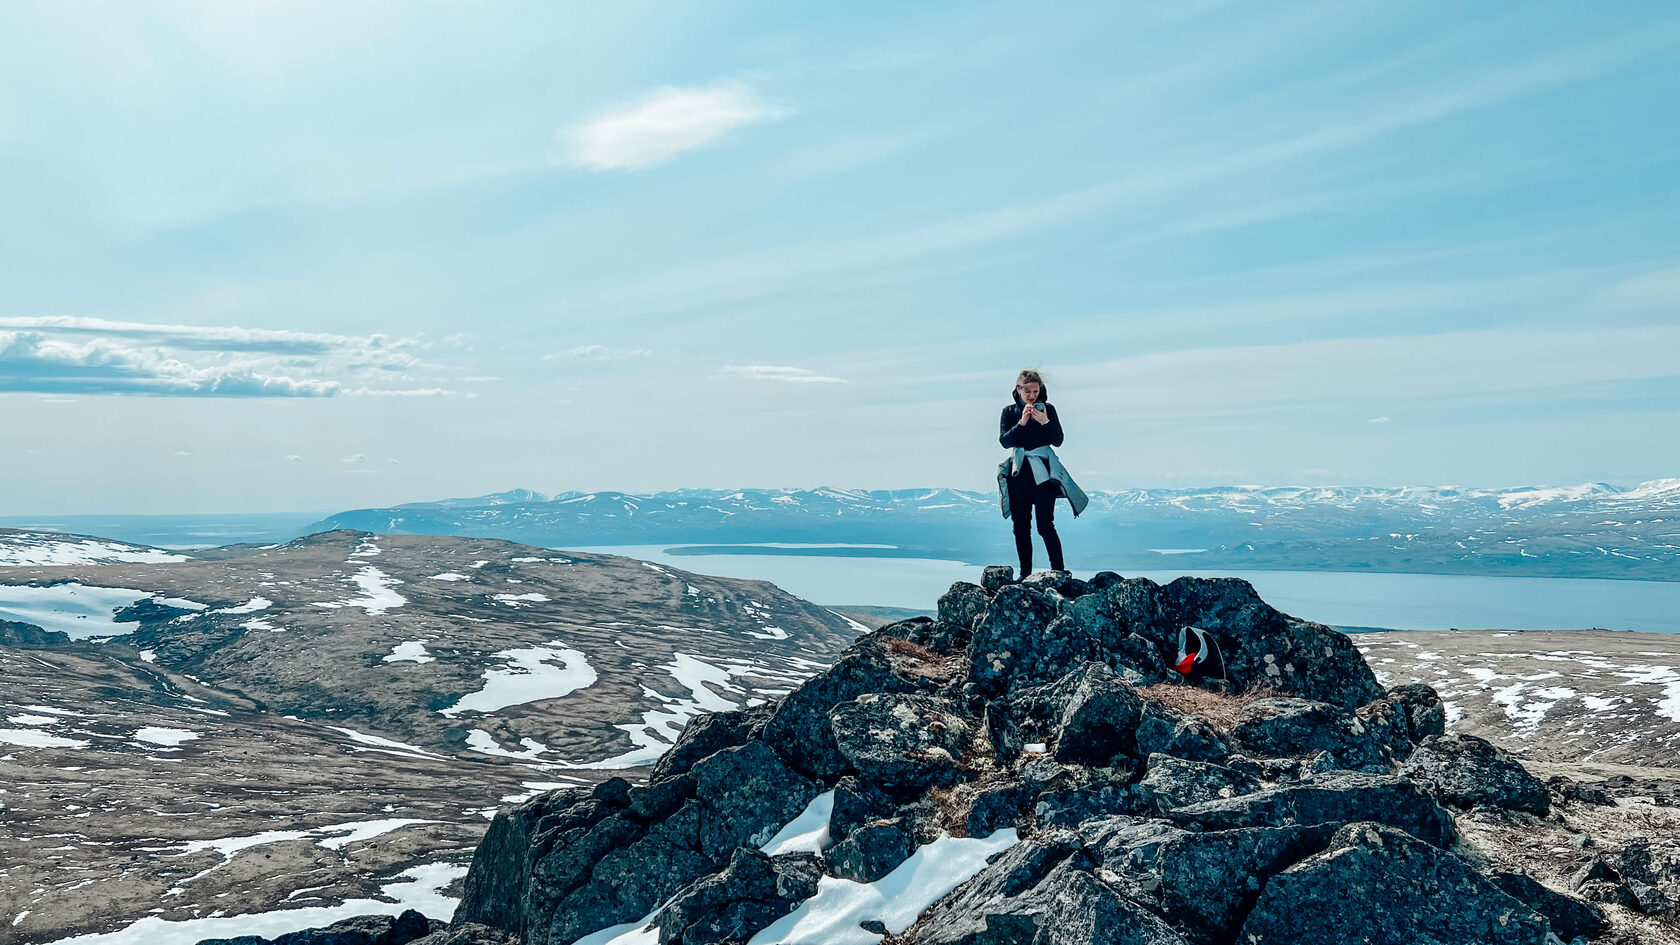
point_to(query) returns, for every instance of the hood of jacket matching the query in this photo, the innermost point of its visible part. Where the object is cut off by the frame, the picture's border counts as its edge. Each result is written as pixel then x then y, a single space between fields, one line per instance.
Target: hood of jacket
pixel 1043 396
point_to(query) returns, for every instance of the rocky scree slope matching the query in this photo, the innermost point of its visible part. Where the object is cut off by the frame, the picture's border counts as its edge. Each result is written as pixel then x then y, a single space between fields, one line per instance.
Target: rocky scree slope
pixel 1038 723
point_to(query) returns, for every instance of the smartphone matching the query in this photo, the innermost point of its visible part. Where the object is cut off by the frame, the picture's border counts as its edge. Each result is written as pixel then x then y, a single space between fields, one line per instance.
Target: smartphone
pixel 1040 407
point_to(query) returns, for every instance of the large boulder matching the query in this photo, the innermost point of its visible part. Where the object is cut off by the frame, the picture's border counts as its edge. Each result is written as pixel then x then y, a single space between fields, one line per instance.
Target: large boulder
pixel 901 742
pixel 469 933
pixel 1380 886
pixel 872 850
pixel 1012 647
pixel 1162 731
pixel 737 902
pixel 744 796
pixel 360 930
pixel 1043 892
pixel 963 604
pixel 1338 798
pixel 800 731
pixel 494 890
pixel 1201 883
pixel 1466 771
pixel 1287 727
pixel 1426 714
pixel 1176 782
pixel 708 733
pixel 1090 716
pixel 1570 917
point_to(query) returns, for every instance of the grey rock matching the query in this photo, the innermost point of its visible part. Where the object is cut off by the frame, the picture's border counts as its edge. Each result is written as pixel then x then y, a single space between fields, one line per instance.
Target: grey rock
pixel 855 804
pixel 1598 881
pixel 745 795
pixel 1011 647
pixel 1466 771
pixel 1287 727
pixel 1163 732
pixel 872 850
pixel 1176 782
pixel 963 604
pixel 799 729
pixel 1570 917
pixel 996 576
pixel 1071 807
pixel 494 889
pixel 17 633
pixel 738 902
pixel 1202 883
pixel 1338 798
pixel 1386 720
pixel 468 933
pixel 1380 886
pixel 709 733
pixel 1426 714
pixel 901 742
pixel 361 930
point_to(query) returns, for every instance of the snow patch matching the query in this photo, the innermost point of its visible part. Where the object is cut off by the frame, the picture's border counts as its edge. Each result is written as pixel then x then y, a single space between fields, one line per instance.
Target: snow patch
pixel 378 594
pixel 531 677
pixel 448 576
pixel 807 833
pixel 170 737
pixel 409 651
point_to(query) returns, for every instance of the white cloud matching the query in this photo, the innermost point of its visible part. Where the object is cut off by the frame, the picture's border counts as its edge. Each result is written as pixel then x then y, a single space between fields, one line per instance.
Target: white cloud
pixel 1377 420
pixel 74 355
pixel 358 458
pixel 667 122
pixel 779 372
pixel 294 458
pixel 597 353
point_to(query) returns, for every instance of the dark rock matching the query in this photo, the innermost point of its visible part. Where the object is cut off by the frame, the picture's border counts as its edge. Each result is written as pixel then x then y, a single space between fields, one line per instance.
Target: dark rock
pixel 963 604
pixel 709 733
pixel 745 795
pixel 1598 881
pixel 872 850
pixel 495 885
pixel 901 742
pixel 1262 646
pixel 657 800
pixel 1062 583
pixel 995 577
pixel 856 804
pixel 1099 717
pixel 1651 867
pixel 995 807
pixel 1466 771
pixel 361 930
pixel 1008 905
pixel 800 729
pixel 1577 792
pixel 1200 883
pixel 934 634
pixel 15 633
pixel 1175 782
pixel 1426 714
pixel 468 933
pixel 1164 732
pixel 629 878
pixel 1071 807
pixel 613 792
pixel 735 904
pixel 1570 917
pixel 149 610
pixel 1386 720
pixel 1380 886
pixel 1338 798
pixel 1011 647
pixel 1290 727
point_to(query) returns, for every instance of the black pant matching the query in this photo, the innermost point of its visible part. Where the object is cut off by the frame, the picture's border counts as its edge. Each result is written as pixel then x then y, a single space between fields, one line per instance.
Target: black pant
pixel 1034 500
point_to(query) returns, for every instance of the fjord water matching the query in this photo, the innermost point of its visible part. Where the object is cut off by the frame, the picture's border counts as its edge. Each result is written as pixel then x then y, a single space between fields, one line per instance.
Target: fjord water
pixel 1339 598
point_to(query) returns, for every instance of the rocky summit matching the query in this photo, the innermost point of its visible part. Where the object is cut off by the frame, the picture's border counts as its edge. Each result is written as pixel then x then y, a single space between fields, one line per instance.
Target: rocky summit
pixel 1029 767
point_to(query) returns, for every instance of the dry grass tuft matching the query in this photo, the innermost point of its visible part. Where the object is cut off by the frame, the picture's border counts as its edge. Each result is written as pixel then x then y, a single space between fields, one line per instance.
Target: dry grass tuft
pixel 1217 709
pixel 919 660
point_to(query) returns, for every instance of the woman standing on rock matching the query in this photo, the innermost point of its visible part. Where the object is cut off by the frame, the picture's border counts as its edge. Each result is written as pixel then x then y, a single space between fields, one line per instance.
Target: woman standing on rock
pixel 1032 478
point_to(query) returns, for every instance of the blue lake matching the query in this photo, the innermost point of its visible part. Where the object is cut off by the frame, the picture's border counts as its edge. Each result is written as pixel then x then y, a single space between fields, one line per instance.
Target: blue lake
pixel 1339 598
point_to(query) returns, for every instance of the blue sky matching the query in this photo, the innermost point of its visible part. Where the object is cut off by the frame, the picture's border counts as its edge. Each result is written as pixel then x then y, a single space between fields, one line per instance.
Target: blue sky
pixel 270 256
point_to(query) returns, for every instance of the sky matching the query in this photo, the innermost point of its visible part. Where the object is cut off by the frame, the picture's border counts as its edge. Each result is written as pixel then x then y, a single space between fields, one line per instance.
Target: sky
pixel 271 256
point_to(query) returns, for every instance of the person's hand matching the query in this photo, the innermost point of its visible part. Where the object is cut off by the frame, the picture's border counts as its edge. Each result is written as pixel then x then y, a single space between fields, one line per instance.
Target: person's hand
pixel 1037 415
pixel 1026 415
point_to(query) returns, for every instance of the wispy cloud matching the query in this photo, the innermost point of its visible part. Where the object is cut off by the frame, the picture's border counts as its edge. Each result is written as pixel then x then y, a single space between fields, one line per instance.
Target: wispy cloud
pixel 655 129
pixel 780 373
pixel 1377 420
pixel 597 353
pixel 72 355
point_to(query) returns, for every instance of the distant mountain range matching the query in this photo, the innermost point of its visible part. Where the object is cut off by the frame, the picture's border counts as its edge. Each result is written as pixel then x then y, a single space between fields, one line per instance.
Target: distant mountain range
pixel 1591 530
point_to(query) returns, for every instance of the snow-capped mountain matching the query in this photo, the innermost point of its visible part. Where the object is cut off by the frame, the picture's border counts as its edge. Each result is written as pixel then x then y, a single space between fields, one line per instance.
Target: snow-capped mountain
pixel 1588 530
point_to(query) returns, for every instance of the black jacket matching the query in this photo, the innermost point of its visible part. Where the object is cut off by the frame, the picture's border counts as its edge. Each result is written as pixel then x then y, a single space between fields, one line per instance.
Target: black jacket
pixel 1031 436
